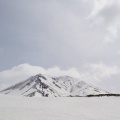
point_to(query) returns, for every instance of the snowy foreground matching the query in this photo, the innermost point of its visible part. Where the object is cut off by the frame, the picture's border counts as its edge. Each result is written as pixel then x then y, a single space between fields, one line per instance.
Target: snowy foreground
pixel 60 108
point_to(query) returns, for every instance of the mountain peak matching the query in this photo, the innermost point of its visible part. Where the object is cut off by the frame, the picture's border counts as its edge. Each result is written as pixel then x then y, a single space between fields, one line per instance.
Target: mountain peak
pixel 43 85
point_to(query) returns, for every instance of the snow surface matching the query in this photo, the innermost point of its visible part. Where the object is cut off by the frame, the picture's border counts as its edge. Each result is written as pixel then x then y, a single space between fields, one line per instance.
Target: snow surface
pixel 60 108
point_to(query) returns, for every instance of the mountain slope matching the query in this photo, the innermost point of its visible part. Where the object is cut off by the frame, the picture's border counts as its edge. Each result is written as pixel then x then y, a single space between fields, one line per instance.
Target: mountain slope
pixel 44 85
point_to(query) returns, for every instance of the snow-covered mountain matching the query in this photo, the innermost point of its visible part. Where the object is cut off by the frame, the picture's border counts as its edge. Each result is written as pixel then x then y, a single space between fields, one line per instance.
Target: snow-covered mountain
pixel 44 85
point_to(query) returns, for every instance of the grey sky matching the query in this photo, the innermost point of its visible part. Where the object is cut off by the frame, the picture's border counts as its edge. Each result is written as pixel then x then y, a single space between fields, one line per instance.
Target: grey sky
pixel 63 33
pixel 50 33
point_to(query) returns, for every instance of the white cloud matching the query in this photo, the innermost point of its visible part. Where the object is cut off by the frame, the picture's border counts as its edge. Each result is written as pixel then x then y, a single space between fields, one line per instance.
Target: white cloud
pixel 106 13
pixel 102 70
pixel 99 5
pixel 56 71
pixel 103 76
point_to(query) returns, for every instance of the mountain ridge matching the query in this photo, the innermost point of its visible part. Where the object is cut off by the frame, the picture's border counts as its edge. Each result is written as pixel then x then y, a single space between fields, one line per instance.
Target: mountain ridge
pixel 44 85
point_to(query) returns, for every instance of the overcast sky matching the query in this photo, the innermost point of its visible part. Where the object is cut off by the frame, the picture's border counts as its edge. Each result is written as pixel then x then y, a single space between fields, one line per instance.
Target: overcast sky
pixel 80 38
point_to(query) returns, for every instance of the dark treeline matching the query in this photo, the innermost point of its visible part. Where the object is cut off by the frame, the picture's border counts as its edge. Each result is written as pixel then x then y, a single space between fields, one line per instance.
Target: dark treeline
pixel 98 95
pixel 101 95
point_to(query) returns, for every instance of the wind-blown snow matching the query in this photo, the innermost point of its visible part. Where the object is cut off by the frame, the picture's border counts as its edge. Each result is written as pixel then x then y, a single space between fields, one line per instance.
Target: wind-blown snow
pixel 62 108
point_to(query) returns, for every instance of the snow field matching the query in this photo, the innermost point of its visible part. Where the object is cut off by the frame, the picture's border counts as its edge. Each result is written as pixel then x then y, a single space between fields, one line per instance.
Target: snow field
pixel 60 108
